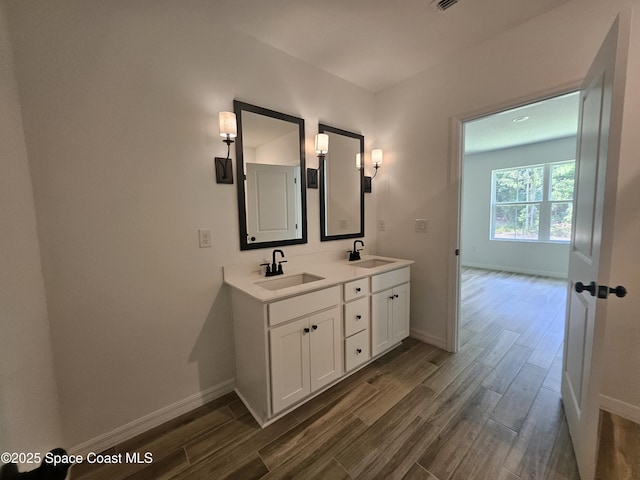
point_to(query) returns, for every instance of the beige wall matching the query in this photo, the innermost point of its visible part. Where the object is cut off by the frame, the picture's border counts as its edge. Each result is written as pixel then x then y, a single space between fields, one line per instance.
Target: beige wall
pixel 120 103
pixel 413 121
pixel 29 415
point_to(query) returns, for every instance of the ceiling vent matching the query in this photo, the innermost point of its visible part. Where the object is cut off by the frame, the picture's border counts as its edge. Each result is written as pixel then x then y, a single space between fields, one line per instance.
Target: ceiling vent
pixel 442 5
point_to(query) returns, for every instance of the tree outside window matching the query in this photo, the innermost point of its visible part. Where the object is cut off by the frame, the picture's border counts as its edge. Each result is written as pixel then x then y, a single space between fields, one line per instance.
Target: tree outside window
pixel 533 203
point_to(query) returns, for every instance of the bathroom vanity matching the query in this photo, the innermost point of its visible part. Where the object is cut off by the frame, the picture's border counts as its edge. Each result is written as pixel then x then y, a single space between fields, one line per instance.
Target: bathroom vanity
pixel 298 333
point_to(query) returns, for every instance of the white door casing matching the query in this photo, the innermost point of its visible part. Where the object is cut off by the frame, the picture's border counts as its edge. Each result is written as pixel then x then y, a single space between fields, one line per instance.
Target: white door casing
pixel 602 98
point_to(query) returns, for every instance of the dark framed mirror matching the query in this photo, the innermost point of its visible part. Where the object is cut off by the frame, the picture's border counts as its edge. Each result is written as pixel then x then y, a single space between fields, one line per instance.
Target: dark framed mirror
pixel 270 165
pixel 341 185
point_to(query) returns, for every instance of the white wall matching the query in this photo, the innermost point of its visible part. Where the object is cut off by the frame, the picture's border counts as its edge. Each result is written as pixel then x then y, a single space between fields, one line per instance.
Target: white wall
pixel 414 119
pixel 120 103
pixel 29 415
pixel 477 249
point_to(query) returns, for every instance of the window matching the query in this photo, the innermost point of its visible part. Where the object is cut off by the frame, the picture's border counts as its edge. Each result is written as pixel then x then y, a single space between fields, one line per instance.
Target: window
pixel 533 203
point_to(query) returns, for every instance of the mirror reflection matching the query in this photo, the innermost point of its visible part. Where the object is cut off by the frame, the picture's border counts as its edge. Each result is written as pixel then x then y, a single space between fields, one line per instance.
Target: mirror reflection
pixel 270 159
pixel 341 186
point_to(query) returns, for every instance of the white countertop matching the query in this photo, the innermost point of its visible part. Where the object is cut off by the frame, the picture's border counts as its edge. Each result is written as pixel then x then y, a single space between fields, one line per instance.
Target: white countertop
pixel 334 271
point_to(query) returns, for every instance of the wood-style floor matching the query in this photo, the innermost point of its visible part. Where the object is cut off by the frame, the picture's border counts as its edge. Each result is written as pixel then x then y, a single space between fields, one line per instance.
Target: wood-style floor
pixel 491 411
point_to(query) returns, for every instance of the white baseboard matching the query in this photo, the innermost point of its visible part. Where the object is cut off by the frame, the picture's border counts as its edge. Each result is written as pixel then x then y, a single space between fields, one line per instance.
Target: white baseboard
pixel 526 271
pixel 154 419
pixel 430 339
pixel 620 408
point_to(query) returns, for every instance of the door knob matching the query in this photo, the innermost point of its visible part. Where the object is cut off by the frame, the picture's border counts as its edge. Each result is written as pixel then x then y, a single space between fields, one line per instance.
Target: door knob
pixel 604 291
pixel 581 287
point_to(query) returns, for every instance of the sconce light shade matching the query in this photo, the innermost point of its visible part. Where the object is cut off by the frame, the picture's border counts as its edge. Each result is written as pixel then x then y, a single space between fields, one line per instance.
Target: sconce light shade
pixel 228 126
pixel 358 161
pixel 376 157
pixel 322 143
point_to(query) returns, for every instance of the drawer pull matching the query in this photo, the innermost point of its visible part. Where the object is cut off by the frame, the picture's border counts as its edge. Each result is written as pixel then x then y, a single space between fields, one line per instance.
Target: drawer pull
pixel 359 350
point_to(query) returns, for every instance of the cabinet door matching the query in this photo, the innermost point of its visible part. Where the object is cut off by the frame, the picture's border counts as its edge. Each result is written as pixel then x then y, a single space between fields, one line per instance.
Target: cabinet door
pixel 381 304
pixel 289 363
pixel 400 316
pixel 326 347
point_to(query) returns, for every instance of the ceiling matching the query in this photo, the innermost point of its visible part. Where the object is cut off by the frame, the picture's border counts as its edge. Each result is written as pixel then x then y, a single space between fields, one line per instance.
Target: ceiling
pixel 376 44
pixel 537 122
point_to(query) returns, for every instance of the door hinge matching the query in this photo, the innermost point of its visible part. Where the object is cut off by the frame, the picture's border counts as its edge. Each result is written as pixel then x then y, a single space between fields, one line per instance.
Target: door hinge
pixel 457 252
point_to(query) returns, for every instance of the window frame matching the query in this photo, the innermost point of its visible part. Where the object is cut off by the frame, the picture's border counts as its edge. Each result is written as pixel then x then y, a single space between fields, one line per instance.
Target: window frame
pixel 544 205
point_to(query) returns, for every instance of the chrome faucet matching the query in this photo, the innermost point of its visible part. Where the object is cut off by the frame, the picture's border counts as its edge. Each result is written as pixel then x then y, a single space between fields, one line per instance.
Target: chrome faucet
pixel 274 269
pixel 355 253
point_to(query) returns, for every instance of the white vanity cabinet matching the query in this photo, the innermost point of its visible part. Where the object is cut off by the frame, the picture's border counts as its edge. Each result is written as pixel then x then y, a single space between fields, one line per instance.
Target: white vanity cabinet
pixel 356 323
pixel 389 309
pixel 293 342
pixel 287 349
pixel 306 355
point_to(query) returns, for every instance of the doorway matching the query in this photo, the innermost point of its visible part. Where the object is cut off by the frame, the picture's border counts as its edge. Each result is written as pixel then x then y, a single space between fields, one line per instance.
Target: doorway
pixel 516 198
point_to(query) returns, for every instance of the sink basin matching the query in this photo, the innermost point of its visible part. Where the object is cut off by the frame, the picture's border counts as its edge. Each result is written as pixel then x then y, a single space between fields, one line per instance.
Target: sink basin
pixel 290 281
pixel 374 262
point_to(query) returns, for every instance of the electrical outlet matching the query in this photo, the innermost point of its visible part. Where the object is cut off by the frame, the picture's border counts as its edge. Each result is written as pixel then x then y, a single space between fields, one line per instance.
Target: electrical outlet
pixel 204 236
pixel 382 225
pixel 421 225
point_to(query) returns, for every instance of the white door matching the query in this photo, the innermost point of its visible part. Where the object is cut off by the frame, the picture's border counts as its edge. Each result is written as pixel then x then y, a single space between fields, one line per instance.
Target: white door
pixel 271 202
pixel 289 363
pixel 326 348
pixel 596 173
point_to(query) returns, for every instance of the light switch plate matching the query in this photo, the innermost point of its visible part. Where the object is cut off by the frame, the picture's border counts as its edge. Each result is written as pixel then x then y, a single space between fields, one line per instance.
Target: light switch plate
pixel 421 225
pixel 204 235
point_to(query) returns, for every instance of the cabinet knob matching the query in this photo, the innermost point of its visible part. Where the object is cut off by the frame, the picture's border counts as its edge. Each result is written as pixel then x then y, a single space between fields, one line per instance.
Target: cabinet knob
pixel 358 317
pixel 315 327
pixel 358 289
pixel 391 297
pixel 359 350
pixel 306 330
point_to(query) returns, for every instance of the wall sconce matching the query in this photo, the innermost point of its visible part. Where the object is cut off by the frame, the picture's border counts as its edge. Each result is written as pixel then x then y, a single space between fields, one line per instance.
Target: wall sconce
pixel 322 144
pixel 376 159
pixel 322 148
pixel 228 130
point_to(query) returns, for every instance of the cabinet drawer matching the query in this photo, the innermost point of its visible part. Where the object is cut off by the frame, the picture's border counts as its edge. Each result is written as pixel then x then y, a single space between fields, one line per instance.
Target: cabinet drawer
pixel 355 289
pixel 356 316
pixel 356 350
pixel 390 279
pixel 290 308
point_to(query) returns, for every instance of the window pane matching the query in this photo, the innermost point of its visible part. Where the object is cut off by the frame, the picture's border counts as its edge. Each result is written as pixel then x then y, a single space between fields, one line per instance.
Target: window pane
pixel 506 182
pixel 530 184
pixel 516 222
pixel 518 185
pixel 561 213
pixel 562 181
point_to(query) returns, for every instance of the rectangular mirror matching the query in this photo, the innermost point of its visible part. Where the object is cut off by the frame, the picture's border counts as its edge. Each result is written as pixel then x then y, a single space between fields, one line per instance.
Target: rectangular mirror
pixel 341 185
pixel 270 163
